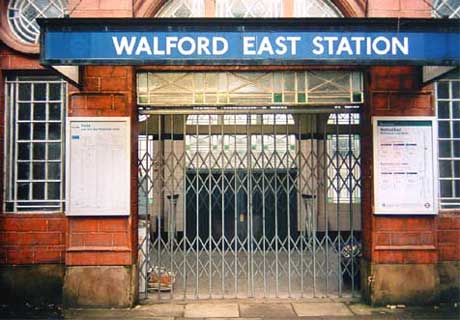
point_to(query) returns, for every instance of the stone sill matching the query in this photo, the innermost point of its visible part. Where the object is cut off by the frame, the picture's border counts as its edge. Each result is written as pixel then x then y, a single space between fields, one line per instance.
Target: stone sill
pixel 98 248
pixel 407 247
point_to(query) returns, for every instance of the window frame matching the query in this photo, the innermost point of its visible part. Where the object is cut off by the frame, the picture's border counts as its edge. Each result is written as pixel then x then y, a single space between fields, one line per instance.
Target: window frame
pixel 455 204
pixel 12 203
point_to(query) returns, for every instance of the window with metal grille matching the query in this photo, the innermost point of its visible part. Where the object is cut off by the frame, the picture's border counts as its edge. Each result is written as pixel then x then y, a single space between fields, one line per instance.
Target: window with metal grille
pixel 240 119
pixel 259 150
pixel 248 8
pixel 249 88
pixel 446 8
pixel 35 114
pixel 344 168
pixel 22 16
pixel 448 113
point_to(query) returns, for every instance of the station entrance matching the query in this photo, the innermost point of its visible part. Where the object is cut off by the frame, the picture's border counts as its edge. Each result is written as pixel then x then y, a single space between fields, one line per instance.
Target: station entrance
pixel 249 184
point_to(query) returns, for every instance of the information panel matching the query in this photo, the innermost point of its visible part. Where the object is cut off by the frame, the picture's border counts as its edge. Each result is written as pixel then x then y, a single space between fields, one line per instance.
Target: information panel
pixel 98 171
pixel 405 165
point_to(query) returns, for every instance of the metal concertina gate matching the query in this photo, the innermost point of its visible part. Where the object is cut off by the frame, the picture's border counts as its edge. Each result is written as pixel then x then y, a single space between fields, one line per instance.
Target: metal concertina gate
pixel 239 202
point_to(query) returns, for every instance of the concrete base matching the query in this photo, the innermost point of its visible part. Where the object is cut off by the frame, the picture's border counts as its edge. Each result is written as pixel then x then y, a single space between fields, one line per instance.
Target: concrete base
pixel 410 284
pixel 38 285
pixel 449 276
pixel 100 286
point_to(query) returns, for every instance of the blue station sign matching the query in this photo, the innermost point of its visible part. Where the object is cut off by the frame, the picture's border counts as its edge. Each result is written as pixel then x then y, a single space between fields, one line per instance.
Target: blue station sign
pixel 250 41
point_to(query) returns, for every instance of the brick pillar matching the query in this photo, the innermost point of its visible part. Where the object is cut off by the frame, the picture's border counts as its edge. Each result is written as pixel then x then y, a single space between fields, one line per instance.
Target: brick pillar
pixel 101 252
pixel 400 254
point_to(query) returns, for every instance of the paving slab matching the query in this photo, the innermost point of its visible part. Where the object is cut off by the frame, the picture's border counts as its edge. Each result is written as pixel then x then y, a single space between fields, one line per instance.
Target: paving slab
pixel 89 314
pixel 313 309
pixel 211 310
pixel 160 310
pixel 263 310
pixel 235 319
pixel 364 309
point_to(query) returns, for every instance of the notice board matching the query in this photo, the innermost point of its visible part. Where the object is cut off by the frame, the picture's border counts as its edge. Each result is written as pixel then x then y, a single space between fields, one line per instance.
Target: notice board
pixel 405 171
pixel 98 166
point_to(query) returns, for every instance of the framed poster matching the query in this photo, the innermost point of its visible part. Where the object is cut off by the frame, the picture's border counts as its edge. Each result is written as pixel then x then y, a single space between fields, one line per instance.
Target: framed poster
pixel 405 165
pixel 98 166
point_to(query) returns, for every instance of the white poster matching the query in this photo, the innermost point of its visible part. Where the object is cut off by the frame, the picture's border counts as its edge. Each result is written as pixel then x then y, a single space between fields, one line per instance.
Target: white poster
pixel 405 165
pixel 98 171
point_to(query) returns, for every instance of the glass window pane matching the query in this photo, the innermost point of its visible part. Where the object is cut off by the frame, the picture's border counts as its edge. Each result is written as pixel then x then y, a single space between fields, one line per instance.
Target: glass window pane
pixel 24 131
pixel 289 81
pixel 456 149
pixel 24 91
pixel 443 90
pixel 54 190
pixel 54 170
pixel 456 129
pixel 54 111
pixel 456 165
pixel 445 169
pixel 23 190
pixel 24 151
pixel 455 89
pixel 23 171
pixel 39 171
pixel 54 131
pixel 39 111
pixel 445 149
pixel 455 109
pixel 446 188
pixel 24 111
pixel 54 151
pixel 443 110
pixel 39 131
pixel 39 151
pixel 444 129
pixel 40 92
pixel 55 91
pixel 38 190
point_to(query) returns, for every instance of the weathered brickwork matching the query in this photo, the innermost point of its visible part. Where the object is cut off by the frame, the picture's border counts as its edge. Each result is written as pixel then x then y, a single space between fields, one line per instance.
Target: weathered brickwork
pixel 449 236
pixel 98 241
pixel 395 91
pixel 32 238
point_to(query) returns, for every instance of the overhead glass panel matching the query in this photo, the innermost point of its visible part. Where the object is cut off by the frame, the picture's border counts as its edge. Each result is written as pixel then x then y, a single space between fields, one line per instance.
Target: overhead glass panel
pixel 249 88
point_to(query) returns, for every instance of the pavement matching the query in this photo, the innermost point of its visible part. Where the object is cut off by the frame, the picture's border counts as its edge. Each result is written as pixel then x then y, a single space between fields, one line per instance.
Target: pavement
pixel 313 309
pixel 248 309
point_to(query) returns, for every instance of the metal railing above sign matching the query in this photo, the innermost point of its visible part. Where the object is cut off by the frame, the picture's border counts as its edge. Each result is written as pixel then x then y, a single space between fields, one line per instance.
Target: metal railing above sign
pixel 325 41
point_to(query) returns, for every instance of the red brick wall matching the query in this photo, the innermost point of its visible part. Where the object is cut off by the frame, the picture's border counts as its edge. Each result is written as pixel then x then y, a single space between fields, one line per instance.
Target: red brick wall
pixel 108 91
pixel 100 8
pixel 26 238
pixel 99 241
pixel 395 91
pixel 13 60
pixel 399 8
pixel 449 236
pixel 32 238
